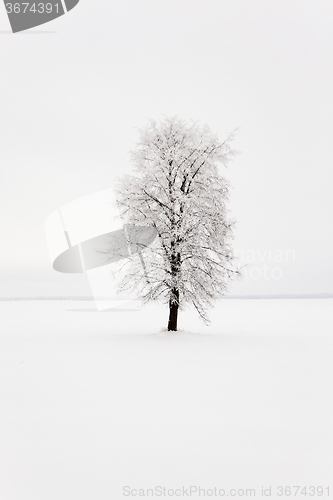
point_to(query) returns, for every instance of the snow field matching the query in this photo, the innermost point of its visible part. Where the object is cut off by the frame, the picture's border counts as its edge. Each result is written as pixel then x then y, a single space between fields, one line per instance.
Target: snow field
pixel 95 401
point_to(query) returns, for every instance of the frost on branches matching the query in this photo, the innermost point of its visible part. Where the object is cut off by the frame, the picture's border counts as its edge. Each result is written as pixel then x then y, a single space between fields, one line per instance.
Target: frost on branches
pixel 179 191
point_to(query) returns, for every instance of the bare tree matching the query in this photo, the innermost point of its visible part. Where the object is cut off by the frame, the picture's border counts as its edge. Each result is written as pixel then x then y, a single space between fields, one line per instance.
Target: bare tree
pixel 179 191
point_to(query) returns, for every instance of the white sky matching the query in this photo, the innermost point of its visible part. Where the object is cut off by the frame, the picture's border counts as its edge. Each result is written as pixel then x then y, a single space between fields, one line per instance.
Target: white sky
pixel 72 96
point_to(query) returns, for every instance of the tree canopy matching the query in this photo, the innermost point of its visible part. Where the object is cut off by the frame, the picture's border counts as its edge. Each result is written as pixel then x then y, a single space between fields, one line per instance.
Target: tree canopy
pixel 178 190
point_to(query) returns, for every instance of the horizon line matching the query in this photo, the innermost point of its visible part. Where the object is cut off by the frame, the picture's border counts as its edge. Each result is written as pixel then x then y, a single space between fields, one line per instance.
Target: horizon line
pixel 224 297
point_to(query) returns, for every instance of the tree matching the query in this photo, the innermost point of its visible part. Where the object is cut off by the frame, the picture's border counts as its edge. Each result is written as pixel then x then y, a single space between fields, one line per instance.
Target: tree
pixel 180 192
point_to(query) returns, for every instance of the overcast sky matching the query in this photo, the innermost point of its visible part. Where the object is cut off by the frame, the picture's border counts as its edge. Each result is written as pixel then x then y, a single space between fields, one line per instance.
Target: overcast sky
pixel 73 92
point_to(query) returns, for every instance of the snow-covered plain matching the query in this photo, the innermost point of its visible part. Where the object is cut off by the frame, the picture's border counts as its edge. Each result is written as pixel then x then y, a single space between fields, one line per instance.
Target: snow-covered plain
pixel 95 401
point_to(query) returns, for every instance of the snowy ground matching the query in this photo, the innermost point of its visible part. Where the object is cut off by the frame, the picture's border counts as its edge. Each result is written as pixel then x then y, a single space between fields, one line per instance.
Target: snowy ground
pixel 92 402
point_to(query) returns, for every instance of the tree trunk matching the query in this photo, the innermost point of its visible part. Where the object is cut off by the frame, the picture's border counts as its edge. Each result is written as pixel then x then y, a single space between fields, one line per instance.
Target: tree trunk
pixel 173 312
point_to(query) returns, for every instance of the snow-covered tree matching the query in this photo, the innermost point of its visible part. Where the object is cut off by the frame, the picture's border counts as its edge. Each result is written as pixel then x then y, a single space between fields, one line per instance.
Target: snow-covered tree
pixel 179 191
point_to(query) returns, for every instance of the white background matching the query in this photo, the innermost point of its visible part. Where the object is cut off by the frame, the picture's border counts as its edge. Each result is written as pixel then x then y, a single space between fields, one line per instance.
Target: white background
pixel 91 402
pixel 73 91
